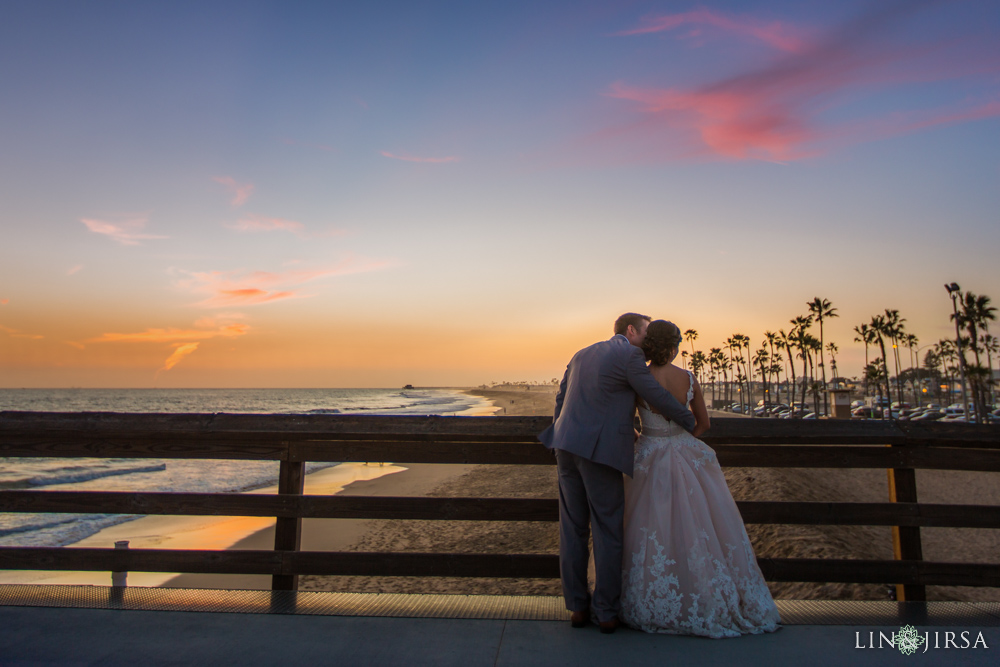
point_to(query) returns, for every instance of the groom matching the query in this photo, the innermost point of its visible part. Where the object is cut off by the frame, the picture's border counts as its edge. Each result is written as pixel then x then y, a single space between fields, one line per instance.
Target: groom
pixel 592 434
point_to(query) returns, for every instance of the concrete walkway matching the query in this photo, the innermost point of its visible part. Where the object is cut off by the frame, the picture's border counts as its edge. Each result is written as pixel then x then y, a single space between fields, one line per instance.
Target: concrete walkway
pixel 55 635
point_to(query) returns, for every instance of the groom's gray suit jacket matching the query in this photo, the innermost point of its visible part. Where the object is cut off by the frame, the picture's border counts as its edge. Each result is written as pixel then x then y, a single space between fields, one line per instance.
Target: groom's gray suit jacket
pixel 595 406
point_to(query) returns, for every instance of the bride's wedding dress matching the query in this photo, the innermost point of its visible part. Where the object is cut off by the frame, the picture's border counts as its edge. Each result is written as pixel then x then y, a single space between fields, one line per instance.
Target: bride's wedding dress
pixel 689 567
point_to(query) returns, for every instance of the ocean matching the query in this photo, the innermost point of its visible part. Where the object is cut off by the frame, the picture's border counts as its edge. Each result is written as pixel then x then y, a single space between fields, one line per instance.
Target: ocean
pixel 181 475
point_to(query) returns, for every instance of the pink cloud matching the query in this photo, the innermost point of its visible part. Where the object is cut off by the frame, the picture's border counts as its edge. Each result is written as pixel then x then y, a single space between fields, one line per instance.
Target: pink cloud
pixel 241 191
pixel 227 289
pixel 257 223
pixel 779 111
pixel 4 302
pixel 125 232
pixel 777 34
pixel 412 158
pixel 730 124
pixel 74 269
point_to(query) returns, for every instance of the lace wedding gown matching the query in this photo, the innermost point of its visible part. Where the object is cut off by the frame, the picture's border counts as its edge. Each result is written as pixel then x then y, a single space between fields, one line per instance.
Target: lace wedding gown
pixel 688 564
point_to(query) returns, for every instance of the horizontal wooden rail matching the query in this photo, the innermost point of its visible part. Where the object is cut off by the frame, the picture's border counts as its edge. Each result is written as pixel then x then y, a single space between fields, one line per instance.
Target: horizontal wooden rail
pixel 325 507
pixel 287 563
pixel 907 572
pixel 469 509
pixel 850 456
pixel 429 439
pixel 290 563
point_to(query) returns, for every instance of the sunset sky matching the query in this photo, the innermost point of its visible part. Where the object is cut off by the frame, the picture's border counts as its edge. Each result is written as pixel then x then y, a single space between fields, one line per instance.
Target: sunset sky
pixel 367 194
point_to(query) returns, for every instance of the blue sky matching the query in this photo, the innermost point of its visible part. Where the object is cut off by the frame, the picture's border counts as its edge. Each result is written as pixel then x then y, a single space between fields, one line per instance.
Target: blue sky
pixel 363 194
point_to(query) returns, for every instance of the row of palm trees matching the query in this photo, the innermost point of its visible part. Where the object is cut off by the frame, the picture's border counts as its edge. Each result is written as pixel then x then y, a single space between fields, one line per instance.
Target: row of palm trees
pixel 886 333
pixel 776 355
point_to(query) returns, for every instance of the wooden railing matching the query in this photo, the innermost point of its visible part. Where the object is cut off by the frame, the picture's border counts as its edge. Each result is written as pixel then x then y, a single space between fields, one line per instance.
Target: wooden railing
pixel 899 447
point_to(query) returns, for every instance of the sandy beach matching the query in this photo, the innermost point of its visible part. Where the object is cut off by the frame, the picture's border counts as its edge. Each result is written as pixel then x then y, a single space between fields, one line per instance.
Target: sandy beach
pixel 360 535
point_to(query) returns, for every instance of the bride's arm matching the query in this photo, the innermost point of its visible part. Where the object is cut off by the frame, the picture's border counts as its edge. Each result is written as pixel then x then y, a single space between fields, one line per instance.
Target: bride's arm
pixel 702 422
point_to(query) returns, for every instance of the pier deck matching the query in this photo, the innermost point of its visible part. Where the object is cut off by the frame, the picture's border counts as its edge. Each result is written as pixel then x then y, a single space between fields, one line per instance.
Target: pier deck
pixel 84 625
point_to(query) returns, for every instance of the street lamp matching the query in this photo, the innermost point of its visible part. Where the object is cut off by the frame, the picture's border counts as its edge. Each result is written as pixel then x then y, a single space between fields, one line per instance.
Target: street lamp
pixel 954 291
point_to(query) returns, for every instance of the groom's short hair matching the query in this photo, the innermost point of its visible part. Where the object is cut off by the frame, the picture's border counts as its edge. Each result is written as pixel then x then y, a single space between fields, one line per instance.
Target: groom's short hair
pixel 630 319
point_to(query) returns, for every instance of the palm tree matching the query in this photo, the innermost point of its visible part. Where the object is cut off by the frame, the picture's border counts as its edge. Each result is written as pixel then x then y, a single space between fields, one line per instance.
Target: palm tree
pixel 947 353
pixel 775 369
pixel 831 347
pixel 716 359
pixel 800 325
pixel 822 308
pixel 881 329
pixel 691 336
pixel 736 344
pixel 865 335
pixel 761 358
pixel 910 340
pixel 992 346
pixel 787 342
pixel 976 313
pixel 894 330
pixel 874 372
pixel 770 339
pixel 813 351
pixel 698 361
pixel 749 367
pixel 730 344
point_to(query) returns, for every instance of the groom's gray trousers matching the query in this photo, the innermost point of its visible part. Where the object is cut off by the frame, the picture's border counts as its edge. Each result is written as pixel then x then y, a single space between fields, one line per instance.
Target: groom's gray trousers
pixel 590 495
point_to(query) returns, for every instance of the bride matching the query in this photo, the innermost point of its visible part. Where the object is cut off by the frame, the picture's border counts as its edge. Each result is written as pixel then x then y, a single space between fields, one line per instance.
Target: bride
pixel 688 564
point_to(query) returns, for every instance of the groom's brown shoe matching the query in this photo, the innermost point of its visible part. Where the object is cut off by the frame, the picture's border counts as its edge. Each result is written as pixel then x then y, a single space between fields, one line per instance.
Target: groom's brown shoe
pixel 579 619
pixel 609 627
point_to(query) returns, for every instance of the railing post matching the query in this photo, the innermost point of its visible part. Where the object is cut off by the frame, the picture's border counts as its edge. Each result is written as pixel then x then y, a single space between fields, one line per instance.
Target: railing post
pixel 120 579
pixel 288 530
pixel 906 539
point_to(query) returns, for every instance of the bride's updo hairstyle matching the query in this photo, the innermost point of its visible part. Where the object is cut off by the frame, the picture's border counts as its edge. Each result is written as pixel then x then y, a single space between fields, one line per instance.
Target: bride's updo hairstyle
pixel 661 343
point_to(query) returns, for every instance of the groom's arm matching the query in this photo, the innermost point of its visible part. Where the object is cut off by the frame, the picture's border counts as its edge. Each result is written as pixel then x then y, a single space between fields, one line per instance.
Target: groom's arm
pixel 561 394
pixel 655 395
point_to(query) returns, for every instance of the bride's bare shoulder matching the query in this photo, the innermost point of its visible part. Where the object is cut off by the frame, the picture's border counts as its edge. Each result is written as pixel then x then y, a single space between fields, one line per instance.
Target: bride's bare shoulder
pixel 673 379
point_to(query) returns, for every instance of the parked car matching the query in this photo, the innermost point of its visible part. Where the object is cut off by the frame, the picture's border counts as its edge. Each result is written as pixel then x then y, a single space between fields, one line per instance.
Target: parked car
pixel 857 404
pixel 866 412
pixel 928 416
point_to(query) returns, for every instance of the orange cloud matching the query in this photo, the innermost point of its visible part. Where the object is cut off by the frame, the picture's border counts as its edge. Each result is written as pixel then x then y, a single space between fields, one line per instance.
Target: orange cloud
pixel 256 223
pixel 413 158
pixel 182 351
pixel 780 35
pixel 4 302
pixel 241 191
pixel 172 335
pixel 229 289
pixel 14 333
pixel 125 232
